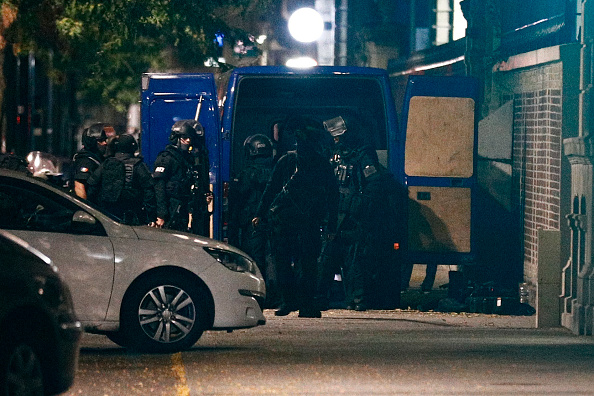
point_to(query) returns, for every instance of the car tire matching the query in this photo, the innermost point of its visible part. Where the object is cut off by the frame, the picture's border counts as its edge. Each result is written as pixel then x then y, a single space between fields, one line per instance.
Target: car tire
pixel 164 314
pixel 20 371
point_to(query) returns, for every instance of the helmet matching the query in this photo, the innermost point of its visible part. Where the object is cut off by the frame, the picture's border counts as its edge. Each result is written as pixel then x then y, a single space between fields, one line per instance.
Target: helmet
pixel 257 146
pixel 186 128
pixel 347 129
pixel 335 126
pixel 309 136
pixel 304 129
pixel 125 144
pixel 94 134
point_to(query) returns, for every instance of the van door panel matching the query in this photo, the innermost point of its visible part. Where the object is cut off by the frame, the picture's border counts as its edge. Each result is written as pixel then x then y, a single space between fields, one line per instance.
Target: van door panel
pixel 439 168
pixel 440 137
pixel 439 219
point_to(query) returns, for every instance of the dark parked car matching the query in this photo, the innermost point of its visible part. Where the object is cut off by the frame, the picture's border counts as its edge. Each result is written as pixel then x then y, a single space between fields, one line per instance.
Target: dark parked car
pixel 39 333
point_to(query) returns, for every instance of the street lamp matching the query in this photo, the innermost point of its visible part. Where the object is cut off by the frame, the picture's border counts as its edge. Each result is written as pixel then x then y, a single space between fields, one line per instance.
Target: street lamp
pixel 306 25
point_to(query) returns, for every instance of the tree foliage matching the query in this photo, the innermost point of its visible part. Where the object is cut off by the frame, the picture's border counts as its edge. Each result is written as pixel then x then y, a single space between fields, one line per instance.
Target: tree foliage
pixel 105 45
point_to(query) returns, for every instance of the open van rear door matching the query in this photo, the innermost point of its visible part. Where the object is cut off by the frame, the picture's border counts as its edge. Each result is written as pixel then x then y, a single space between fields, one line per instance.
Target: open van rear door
pixel 167 98
pixel 439 122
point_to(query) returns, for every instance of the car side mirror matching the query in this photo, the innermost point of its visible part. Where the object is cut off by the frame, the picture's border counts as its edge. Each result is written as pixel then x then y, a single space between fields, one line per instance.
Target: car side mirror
pixel 83 222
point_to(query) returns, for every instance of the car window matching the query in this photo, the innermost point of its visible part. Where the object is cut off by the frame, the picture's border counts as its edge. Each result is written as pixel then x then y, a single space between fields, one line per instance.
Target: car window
pixel 26 206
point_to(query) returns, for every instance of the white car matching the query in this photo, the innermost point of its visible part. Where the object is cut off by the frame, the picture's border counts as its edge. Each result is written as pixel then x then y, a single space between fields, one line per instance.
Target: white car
pixel 147 289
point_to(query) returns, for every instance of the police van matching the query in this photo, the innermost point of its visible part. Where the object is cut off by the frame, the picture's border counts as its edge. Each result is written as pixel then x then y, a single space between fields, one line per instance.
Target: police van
pixel 432 151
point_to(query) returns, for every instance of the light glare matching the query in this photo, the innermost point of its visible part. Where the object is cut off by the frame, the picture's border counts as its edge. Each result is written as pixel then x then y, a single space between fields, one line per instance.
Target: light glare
pixel 302 62
pixel 306 25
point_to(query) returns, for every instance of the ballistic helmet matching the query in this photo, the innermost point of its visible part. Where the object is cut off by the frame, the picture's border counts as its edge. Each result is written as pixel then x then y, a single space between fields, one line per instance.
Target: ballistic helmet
pixel 94 134
pixel 346 130
pixel 257 146
pixel 188 129
pixel 304 129
pixel 125 144
pixel 335 126
pixel 309 136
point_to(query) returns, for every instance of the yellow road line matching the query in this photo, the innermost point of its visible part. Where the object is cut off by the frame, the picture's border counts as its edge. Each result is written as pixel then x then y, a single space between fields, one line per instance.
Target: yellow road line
pixel 179 370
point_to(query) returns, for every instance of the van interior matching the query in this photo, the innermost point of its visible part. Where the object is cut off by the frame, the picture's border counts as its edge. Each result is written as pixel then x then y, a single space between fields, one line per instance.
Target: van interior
pixel 264 103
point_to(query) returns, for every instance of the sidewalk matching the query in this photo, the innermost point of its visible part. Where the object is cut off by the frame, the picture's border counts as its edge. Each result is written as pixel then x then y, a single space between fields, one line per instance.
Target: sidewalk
pixel 422 306
pixel 475 320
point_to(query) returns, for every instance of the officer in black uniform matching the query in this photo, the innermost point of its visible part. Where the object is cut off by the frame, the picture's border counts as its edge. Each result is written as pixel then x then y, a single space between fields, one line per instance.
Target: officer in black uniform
pixel 355 165
pixel 182 184
pixel 87 160
pixel 123 184
pixel 244 197
pixel 376 255
pixel 300 195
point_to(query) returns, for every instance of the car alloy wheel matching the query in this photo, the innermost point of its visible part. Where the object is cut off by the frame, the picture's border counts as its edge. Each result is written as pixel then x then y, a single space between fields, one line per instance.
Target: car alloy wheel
pixel 23 372
pixel 164 313
pixel 167 314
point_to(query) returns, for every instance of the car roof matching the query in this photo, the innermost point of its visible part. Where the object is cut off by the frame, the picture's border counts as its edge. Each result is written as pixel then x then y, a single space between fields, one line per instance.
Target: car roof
pixel 21 175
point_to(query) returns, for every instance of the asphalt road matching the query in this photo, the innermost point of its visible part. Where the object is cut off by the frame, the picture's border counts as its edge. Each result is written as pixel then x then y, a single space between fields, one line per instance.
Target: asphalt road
pixel 351 353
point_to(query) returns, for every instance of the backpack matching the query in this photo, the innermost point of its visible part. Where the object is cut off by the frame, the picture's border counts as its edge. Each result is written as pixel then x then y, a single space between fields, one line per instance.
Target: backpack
pixel 117 180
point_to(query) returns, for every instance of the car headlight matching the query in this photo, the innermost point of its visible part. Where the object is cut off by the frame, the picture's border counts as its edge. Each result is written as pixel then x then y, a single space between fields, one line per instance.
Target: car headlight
pixel 233 261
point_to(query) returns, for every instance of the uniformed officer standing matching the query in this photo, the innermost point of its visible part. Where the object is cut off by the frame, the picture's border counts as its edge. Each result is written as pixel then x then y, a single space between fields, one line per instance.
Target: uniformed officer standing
pixel 244 196
pixel 123 184
pixel 300 195
pixel 87 160
pixel 182 184
pixel 376 255
pixel 356 165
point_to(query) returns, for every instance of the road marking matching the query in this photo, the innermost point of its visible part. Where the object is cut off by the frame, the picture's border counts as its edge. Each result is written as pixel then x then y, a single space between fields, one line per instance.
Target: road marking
pixel 179 370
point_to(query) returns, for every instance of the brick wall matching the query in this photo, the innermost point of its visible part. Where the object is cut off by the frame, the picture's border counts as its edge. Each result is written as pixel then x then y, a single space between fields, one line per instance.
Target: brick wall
pixel 536 157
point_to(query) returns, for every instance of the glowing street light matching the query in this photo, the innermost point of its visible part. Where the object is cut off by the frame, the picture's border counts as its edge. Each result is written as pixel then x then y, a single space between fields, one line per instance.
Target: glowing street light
pixel 306 25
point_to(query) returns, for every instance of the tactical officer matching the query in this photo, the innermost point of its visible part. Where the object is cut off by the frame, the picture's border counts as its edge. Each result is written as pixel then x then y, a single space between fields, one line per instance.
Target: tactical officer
pixel 346 159
pixel 300 195
pixel 375 256
pixel 123 184
pixel 244 197
pixel 355 164
pixel 87 160
pixel 182 185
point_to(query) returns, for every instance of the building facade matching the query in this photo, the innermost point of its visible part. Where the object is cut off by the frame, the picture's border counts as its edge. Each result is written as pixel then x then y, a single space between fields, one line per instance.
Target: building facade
pixel 534 62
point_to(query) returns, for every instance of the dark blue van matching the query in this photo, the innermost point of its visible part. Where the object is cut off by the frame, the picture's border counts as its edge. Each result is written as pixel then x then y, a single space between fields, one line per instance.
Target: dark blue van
pixel 257 99
pixel 432 151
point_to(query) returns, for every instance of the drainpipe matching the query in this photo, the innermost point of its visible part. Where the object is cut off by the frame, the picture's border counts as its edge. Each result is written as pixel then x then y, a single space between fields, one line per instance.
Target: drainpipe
pixel 585 73
pixel 341 32
pixel 50 107
pixel 31 99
